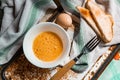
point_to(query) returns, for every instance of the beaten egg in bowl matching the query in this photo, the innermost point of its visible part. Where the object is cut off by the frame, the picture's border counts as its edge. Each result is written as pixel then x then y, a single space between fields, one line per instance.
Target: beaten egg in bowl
pixel 46 45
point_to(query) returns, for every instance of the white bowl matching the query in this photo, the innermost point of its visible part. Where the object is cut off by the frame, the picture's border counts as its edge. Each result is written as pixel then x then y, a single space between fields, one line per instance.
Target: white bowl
pixel 37 29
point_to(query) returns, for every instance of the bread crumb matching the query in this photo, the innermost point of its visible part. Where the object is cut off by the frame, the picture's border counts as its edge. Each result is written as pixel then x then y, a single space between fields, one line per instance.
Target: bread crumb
pixel 21 69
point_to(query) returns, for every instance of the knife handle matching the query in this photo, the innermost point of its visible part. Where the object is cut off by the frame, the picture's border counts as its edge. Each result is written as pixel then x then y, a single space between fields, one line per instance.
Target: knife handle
pixel 63 70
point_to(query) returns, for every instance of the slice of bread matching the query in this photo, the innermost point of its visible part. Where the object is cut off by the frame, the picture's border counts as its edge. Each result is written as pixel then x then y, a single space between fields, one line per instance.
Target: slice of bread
pixel 103 21
pixel 85 13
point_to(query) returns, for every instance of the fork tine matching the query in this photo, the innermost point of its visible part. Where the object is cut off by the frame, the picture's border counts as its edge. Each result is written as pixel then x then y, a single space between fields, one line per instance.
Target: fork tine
pixel 91 48
pixel 92 43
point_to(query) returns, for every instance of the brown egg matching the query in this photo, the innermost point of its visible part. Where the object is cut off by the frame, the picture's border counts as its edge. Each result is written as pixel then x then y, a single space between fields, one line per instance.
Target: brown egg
pixel 64 20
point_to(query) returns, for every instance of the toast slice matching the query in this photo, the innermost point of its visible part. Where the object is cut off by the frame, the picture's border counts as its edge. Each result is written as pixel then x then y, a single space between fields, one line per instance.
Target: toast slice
pixel 103 21
pixel 85 13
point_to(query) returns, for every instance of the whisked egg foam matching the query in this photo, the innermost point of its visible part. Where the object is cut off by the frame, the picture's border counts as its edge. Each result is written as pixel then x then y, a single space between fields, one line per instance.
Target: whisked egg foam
pixel 47 46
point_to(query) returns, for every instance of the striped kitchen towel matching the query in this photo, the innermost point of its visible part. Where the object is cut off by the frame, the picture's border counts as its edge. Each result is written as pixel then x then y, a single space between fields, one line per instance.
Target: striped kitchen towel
pixel 18 17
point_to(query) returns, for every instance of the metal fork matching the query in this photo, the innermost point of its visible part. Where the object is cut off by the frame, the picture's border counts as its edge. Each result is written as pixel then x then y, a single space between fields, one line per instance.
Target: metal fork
pixel 87 48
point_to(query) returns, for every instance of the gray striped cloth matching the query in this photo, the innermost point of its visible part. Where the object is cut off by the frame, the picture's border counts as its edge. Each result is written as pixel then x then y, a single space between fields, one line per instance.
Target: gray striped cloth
pixel 20 15
pixel 86 33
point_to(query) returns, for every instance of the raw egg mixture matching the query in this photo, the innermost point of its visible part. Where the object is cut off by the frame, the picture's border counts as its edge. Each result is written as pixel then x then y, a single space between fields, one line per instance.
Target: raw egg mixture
pixel 47 46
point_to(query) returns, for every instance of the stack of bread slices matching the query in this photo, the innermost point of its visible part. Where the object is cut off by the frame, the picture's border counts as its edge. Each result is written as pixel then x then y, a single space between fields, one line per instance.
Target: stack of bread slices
pixel 98 20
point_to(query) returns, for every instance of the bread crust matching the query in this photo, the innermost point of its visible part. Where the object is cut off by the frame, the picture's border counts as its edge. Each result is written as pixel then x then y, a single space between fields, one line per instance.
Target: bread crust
pixel 85 13
pixel 99 21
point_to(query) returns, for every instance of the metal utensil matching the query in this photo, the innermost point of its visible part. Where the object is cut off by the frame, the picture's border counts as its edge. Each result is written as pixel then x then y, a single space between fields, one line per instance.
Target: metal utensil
pixel 87 48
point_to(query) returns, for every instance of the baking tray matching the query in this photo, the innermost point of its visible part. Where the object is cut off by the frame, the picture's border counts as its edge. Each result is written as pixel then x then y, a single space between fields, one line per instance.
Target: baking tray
pixel 51 19
pixel 95 76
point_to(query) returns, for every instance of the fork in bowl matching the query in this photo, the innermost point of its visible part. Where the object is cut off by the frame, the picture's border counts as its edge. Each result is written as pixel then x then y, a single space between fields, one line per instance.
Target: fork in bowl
pixel 90 46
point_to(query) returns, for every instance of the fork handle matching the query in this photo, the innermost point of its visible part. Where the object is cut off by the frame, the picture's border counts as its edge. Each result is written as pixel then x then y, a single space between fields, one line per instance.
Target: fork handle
pixel 63 70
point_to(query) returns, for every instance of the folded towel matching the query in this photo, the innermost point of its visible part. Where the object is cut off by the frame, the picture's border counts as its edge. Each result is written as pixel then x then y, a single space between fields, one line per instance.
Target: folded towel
pixel 19 16
pixel 86 33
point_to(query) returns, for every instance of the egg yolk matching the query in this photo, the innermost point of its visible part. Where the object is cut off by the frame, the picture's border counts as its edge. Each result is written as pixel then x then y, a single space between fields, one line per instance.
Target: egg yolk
pixel 47 46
